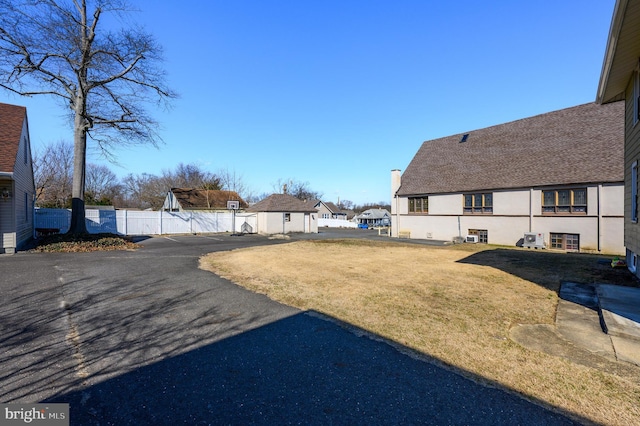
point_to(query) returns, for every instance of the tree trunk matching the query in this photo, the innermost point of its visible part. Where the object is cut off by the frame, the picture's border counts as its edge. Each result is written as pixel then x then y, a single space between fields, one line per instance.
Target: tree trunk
pixel 80 126
pixel 78 225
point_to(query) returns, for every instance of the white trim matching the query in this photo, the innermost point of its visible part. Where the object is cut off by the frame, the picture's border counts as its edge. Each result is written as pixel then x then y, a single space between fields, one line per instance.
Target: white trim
pixel 634 192
pixel 632 263
pixel 636 94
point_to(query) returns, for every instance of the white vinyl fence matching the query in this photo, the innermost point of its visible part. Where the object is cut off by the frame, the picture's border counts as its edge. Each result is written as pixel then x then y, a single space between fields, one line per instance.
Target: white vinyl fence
pixel 336 223
pixel 133 222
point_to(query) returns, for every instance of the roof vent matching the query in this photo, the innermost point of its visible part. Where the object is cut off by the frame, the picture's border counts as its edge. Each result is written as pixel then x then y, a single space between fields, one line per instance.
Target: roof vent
pixel 464 137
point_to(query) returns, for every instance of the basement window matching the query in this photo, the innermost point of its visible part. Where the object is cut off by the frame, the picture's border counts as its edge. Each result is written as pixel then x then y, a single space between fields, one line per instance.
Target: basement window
pixel 483 235
pixel 569 242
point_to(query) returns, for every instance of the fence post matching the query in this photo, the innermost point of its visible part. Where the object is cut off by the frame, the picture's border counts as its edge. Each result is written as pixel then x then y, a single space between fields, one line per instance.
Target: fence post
pixel 160 222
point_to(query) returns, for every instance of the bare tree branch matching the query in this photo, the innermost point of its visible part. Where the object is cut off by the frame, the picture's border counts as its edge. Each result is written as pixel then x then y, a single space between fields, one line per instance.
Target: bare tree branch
pixel 104 76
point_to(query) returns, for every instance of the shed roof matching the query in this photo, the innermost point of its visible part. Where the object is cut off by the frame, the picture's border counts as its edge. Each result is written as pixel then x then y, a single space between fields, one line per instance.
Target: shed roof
pixel 206 199
pixel 11 120
pixel 582 144
pixel 283 203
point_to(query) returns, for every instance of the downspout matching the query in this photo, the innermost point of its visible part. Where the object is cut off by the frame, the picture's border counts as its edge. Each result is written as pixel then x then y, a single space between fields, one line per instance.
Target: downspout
pixel 599 227
pixel 397 230
pixel 33 212
pixel 530 209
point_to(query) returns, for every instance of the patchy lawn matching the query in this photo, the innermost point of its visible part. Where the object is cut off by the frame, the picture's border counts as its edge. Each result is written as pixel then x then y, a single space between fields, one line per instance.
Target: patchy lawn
pixel 68 243
pixel 455 304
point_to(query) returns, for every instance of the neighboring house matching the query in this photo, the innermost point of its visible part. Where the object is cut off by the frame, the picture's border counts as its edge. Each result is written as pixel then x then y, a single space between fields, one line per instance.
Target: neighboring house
pixel 373 217
pixel 556 175
pixel 328 210
pixel 620 79
pixel 283 214
pixel 17 188
pixel 189 199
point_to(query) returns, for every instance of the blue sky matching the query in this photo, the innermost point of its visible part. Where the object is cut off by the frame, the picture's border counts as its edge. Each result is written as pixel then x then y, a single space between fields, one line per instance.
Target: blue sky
pixel 337 93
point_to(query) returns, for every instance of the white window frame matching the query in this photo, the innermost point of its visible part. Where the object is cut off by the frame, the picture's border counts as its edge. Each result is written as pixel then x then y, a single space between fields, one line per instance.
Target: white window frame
pixel 636 95
pixel 634 192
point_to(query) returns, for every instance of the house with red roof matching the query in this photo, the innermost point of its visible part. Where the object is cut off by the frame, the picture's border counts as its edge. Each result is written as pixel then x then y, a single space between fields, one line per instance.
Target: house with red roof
pixel 555 180
pixel 194 199
pixel 17 188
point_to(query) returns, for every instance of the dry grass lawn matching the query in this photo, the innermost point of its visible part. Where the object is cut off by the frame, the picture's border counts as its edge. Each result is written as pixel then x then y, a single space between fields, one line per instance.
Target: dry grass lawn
pixel 455 304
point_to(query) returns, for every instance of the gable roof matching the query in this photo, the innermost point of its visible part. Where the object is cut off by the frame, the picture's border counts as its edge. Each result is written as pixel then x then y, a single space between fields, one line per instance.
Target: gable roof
pixel 373 214
pixel 11 120
pixel 328 205
pixel 282 203
pixel 198 199
pixel 332 207
pixel 622 51
pixel 582 144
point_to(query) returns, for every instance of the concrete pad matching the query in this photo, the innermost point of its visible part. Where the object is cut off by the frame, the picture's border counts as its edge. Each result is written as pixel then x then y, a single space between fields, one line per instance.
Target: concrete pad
pixel 627 350
pixel 581 326
pixel 620 309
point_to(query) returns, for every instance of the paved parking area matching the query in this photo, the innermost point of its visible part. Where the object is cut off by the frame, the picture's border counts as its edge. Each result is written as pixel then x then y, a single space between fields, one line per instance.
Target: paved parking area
pixel 145 337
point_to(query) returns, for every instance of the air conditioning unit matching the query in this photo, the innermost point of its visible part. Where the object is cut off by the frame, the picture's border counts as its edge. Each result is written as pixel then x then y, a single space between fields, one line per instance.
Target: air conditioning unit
pixel 471 239
pixel 533 239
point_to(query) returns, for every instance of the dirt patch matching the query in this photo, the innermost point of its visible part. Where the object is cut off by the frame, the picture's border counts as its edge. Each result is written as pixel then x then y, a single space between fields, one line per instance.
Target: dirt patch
pixel 80 243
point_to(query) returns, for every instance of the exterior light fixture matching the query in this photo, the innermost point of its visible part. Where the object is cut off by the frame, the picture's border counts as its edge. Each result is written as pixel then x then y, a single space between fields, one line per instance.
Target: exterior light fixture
pixel 5 194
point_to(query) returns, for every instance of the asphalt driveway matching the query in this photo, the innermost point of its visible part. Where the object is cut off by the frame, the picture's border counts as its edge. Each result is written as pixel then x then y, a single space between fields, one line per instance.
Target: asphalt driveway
pixel 145 337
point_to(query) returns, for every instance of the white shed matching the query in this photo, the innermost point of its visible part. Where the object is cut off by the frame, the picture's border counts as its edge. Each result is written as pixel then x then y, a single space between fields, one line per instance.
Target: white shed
pixel 283 214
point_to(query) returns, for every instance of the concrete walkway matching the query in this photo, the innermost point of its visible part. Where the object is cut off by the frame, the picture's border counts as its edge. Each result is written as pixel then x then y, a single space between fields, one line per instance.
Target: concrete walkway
pixel 597 325
pixel 620 312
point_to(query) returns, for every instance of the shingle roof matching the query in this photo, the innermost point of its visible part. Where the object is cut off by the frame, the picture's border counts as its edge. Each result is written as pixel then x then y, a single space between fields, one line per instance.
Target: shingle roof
pixel 282 203
pixel 197 199
pixel 11 120
pixel 373 214
pixel 332 207
pixel 582 144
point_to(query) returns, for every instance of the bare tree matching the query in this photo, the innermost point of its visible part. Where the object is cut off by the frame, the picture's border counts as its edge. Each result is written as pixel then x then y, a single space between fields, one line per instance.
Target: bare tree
pixel 232 181
pixel 298 189
pixel 103 76
pixel 147 191
pixel 189 176
pixel 52 168
pixel 143 191
pixel 102 185
pixel 345 204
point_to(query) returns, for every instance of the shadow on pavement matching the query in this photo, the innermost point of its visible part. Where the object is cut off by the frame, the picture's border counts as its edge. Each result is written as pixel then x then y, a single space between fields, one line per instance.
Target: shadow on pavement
pixel 299 369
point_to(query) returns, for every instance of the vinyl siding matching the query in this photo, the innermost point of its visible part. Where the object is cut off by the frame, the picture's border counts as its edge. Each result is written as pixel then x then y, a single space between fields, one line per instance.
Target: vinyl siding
pixel 632 153
pixel 7 229
pixel 24 190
